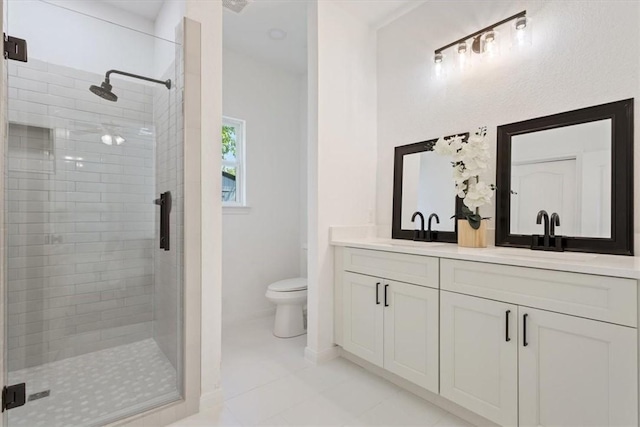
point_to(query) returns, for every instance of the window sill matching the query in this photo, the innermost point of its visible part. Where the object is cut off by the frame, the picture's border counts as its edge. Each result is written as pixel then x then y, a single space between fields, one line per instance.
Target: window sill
pixel 236 210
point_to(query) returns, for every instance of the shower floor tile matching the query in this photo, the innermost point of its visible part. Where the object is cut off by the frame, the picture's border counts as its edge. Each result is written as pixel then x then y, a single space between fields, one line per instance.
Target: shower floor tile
pixel 96 387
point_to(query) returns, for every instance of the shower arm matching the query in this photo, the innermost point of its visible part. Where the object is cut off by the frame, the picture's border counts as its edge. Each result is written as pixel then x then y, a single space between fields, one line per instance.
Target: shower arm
pixel 166 83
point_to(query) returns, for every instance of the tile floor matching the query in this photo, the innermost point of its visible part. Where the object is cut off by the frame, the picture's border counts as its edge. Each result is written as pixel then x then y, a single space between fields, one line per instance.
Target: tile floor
pixel 267 382
pixel 95 387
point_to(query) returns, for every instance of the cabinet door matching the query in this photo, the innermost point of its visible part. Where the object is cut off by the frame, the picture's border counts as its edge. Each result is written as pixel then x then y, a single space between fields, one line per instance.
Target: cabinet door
pixel 576 372
pixel 363 312
pixel 411 333
pixel 479 356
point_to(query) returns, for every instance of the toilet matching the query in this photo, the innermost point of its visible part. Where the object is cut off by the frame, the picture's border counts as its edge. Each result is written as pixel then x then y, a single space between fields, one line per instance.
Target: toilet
pixel 290 297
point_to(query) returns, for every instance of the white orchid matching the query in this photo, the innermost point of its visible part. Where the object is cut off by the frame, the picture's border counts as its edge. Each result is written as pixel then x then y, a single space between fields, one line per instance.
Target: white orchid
pixel 461 189
pixel 470 159
pixel 461 174
pixel 442 147
pixel 478 194
pixel 449 146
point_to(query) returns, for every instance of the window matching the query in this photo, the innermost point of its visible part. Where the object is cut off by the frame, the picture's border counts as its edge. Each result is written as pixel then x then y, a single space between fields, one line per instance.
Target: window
pixel 233 167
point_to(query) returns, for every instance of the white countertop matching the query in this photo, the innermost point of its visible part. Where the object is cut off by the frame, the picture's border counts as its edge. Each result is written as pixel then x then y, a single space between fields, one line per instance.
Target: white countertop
pixel 604 265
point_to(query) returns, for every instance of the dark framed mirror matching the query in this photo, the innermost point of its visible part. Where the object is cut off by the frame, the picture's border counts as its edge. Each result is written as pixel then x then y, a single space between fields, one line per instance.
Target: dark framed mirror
pixel 577 164
pixel 423 182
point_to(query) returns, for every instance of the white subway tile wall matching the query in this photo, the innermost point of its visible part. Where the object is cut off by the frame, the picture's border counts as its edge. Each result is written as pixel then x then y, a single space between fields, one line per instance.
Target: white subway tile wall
pixel 81 219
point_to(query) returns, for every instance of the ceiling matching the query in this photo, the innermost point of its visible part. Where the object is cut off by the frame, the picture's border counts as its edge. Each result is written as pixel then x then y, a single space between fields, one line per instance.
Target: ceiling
pixel 247 32
pixel 148 9
pixel 378 13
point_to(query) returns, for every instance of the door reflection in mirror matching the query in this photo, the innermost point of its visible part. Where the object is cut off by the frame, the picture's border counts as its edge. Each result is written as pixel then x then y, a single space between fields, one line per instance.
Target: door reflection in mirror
pixel 565 170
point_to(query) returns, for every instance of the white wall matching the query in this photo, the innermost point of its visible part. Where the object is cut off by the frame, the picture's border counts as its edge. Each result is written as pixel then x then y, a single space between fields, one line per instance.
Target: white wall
pixel 164 28
pixel 342 150
pixel 84 42
pixel 262 245
pixel 583 54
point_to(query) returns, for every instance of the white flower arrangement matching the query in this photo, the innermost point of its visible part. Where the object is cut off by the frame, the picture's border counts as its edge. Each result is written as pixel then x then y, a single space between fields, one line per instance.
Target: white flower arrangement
pixel 470 159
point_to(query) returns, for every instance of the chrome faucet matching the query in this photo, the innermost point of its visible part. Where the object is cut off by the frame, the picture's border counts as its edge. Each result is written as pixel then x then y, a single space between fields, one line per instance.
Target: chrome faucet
pixel 430 233
pixel 419 234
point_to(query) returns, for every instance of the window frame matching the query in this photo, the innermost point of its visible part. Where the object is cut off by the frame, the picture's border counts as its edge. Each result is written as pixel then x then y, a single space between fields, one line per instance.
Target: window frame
pixel 240 163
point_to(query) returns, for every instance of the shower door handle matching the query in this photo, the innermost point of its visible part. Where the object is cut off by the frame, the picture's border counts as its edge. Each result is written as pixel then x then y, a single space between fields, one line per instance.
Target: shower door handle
pixel 165 210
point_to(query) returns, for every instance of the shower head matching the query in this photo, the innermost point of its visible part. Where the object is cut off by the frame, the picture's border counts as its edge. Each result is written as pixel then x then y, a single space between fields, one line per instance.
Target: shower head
pixel 104 91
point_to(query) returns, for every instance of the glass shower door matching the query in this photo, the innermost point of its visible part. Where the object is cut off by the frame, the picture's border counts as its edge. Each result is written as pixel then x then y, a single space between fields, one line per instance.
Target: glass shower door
pixel 93 217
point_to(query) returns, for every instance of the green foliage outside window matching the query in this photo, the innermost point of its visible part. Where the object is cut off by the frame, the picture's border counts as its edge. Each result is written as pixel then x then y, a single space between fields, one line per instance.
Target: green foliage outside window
pixel 228 141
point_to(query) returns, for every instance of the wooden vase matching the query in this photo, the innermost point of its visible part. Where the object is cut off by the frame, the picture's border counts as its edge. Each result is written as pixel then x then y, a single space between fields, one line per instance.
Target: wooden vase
pixel 471 238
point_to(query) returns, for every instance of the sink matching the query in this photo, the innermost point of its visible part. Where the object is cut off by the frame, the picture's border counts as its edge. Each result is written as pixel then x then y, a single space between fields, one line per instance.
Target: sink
pixel 547 256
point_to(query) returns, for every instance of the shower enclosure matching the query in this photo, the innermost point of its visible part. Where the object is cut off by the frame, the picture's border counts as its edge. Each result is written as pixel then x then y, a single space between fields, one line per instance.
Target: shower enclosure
pixel 93 218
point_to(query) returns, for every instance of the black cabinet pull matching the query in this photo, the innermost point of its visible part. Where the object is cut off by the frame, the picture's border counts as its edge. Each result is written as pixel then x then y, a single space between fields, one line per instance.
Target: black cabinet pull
pixel 508 338
pixel 524 330
pixel 385 295
pixel 378 293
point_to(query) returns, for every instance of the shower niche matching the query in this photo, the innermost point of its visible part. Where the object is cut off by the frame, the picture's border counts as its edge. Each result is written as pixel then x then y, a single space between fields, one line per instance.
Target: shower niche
pixel 94 305
pixel 30 149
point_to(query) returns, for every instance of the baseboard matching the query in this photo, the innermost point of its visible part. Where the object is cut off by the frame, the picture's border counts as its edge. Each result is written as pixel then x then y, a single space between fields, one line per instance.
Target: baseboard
pixel 316 357
pixel 436 399
pixel 211 399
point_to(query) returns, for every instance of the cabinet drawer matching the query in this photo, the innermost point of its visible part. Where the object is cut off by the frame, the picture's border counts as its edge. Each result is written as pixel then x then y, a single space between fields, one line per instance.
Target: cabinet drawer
pixel 610 299
pixel 419 270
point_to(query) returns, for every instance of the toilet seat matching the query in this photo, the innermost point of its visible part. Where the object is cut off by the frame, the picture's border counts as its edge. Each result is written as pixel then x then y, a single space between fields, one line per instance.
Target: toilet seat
pixel 289 285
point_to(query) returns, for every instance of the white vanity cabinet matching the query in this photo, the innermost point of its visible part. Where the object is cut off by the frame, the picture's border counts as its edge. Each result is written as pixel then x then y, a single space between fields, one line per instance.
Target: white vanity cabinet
pixel 518 365
pixel 389 323
pixel 520 346
pixel 411 333
pixel 576 371
pixel 363 317
pixel 479 356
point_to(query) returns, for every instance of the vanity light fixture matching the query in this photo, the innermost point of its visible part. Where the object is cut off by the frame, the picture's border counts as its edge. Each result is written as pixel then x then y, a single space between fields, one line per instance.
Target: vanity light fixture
pixel 485 42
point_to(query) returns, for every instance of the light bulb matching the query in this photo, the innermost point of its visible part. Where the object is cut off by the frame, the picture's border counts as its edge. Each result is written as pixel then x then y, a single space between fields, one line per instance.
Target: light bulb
pixel 491 44
pixel 107 139
pixel 490 37
pixel 463 53
pixel 438 69
pixel 438 65
pixel 521 32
